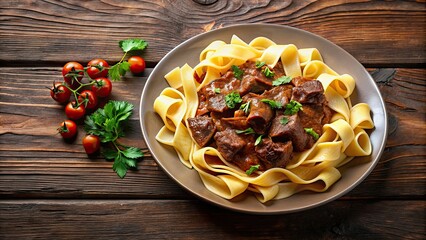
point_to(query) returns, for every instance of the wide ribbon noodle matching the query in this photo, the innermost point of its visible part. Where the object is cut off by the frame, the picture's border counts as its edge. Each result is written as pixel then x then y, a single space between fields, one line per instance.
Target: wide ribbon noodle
pixel 315 169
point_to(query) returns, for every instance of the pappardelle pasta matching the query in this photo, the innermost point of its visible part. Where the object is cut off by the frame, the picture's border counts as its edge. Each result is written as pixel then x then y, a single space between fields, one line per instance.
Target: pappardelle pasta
pixel 341 138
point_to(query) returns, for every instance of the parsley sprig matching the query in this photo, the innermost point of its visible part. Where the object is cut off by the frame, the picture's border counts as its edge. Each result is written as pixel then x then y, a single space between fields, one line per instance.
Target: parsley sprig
pixel 312 132
pixel 119 69
pixel 232 99
pixel 246 107
pixel 281 81
pixel 246 131
pixel 272 103
pixel 107 123
pixel 292 107
pixel 252 169
pixel 238 73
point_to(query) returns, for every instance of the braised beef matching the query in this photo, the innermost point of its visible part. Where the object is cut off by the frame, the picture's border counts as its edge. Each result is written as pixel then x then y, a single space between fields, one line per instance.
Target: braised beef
pixel 274 154
pixel 260 115
pixel 216 121
pixel 280 94
pixel 292 130
pixel 309 92
pixel 229 143
pixel 202 129
pixel 311 116
pixel 297 81
pixel 238 123
pixel 247 156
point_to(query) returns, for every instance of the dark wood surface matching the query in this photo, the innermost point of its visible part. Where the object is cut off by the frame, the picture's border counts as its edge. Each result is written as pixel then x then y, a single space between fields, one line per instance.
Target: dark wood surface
pixel 50 189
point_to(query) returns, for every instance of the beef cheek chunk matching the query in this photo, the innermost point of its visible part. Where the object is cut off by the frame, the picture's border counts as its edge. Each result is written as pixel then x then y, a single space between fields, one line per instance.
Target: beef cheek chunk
pixel 202 129
pixel 274 154
pixel 236 148
pixel 291 131
pixel 310 92
pixel 280 94
pixel 260 115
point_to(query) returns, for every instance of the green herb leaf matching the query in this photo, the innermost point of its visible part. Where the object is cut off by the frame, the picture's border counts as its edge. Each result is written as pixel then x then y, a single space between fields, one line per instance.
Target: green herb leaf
pixel 232 99
pixel 252 169
pixel 258 140
pixel 118 70
pixel 292 107
pixel 132 44
pixel 268 73
pixel 133 153
pixel 272 103
pixel 259 64
pixel 246 131
pixel 107 123
pixel 246 107
pixel 238 73
pixel 217 90
pixel 311 132
pixel 282 80
pixel 284 121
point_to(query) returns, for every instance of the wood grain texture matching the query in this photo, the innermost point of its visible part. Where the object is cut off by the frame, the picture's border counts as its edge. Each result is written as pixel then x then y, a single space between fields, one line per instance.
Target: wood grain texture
pixel 36 163
pixel 189 219
pixel 44 31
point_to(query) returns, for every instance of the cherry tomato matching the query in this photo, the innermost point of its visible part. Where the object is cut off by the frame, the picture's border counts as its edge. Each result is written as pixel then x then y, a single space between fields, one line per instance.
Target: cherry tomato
pixel 102 87
pixel 137 64
pixel 60 93
pixel 74 111
pixel 67 129
pixel 72 69
pixel 91 101
pixel 97 68
pixel 91 144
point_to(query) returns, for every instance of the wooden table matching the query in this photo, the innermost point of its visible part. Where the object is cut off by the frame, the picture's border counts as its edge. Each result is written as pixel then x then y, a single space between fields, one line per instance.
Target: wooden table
pixel 50 189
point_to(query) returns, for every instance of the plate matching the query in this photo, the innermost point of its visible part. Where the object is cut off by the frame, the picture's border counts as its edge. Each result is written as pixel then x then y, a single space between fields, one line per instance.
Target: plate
pixel 334 56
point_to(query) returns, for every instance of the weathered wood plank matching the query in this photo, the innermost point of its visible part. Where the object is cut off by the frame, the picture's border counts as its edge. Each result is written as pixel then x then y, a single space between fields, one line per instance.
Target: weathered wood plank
pixel 56 169
pixel 36 32
pixel 191 219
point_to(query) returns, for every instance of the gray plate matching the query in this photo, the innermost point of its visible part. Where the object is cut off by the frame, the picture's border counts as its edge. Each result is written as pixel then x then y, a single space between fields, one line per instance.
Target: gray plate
pixel 334 56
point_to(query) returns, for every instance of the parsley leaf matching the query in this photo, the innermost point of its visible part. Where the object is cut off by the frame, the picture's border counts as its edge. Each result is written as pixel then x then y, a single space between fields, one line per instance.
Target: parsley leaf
pixel 258 140
pixel 259 64
pixel 246 131
pixel 282 80
pixel 272 103
pixel 311 132
pixel 132 44
pixel 238 73
pixel 118 70
pixel 246 107
pixel 217 90
pixel 107 123
pixel 268 73
pixel 232 99
pixel 252 169
pixel 292 107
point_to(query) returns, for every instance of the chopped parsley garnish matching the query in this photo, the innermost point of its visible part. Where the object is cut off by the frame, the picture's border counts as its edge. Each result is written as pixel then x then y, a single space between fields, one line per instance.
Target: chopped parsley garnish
pixel 232 99
pixel 238 73
pixel 284 121
pixel 245 107
pixel 258 140
pixel 311 132
pixel 246 131
pixel 268 73
pixel 292 107
pixel 217 90
pixel 282 80
pixel 259 64
pixel 252 169
pixel 272 103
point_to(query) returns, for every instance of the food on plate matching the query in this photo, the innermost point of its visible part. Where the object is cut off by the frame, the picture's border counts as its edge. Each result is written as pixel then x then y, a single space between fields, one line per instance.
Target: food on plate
pixel 262 117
